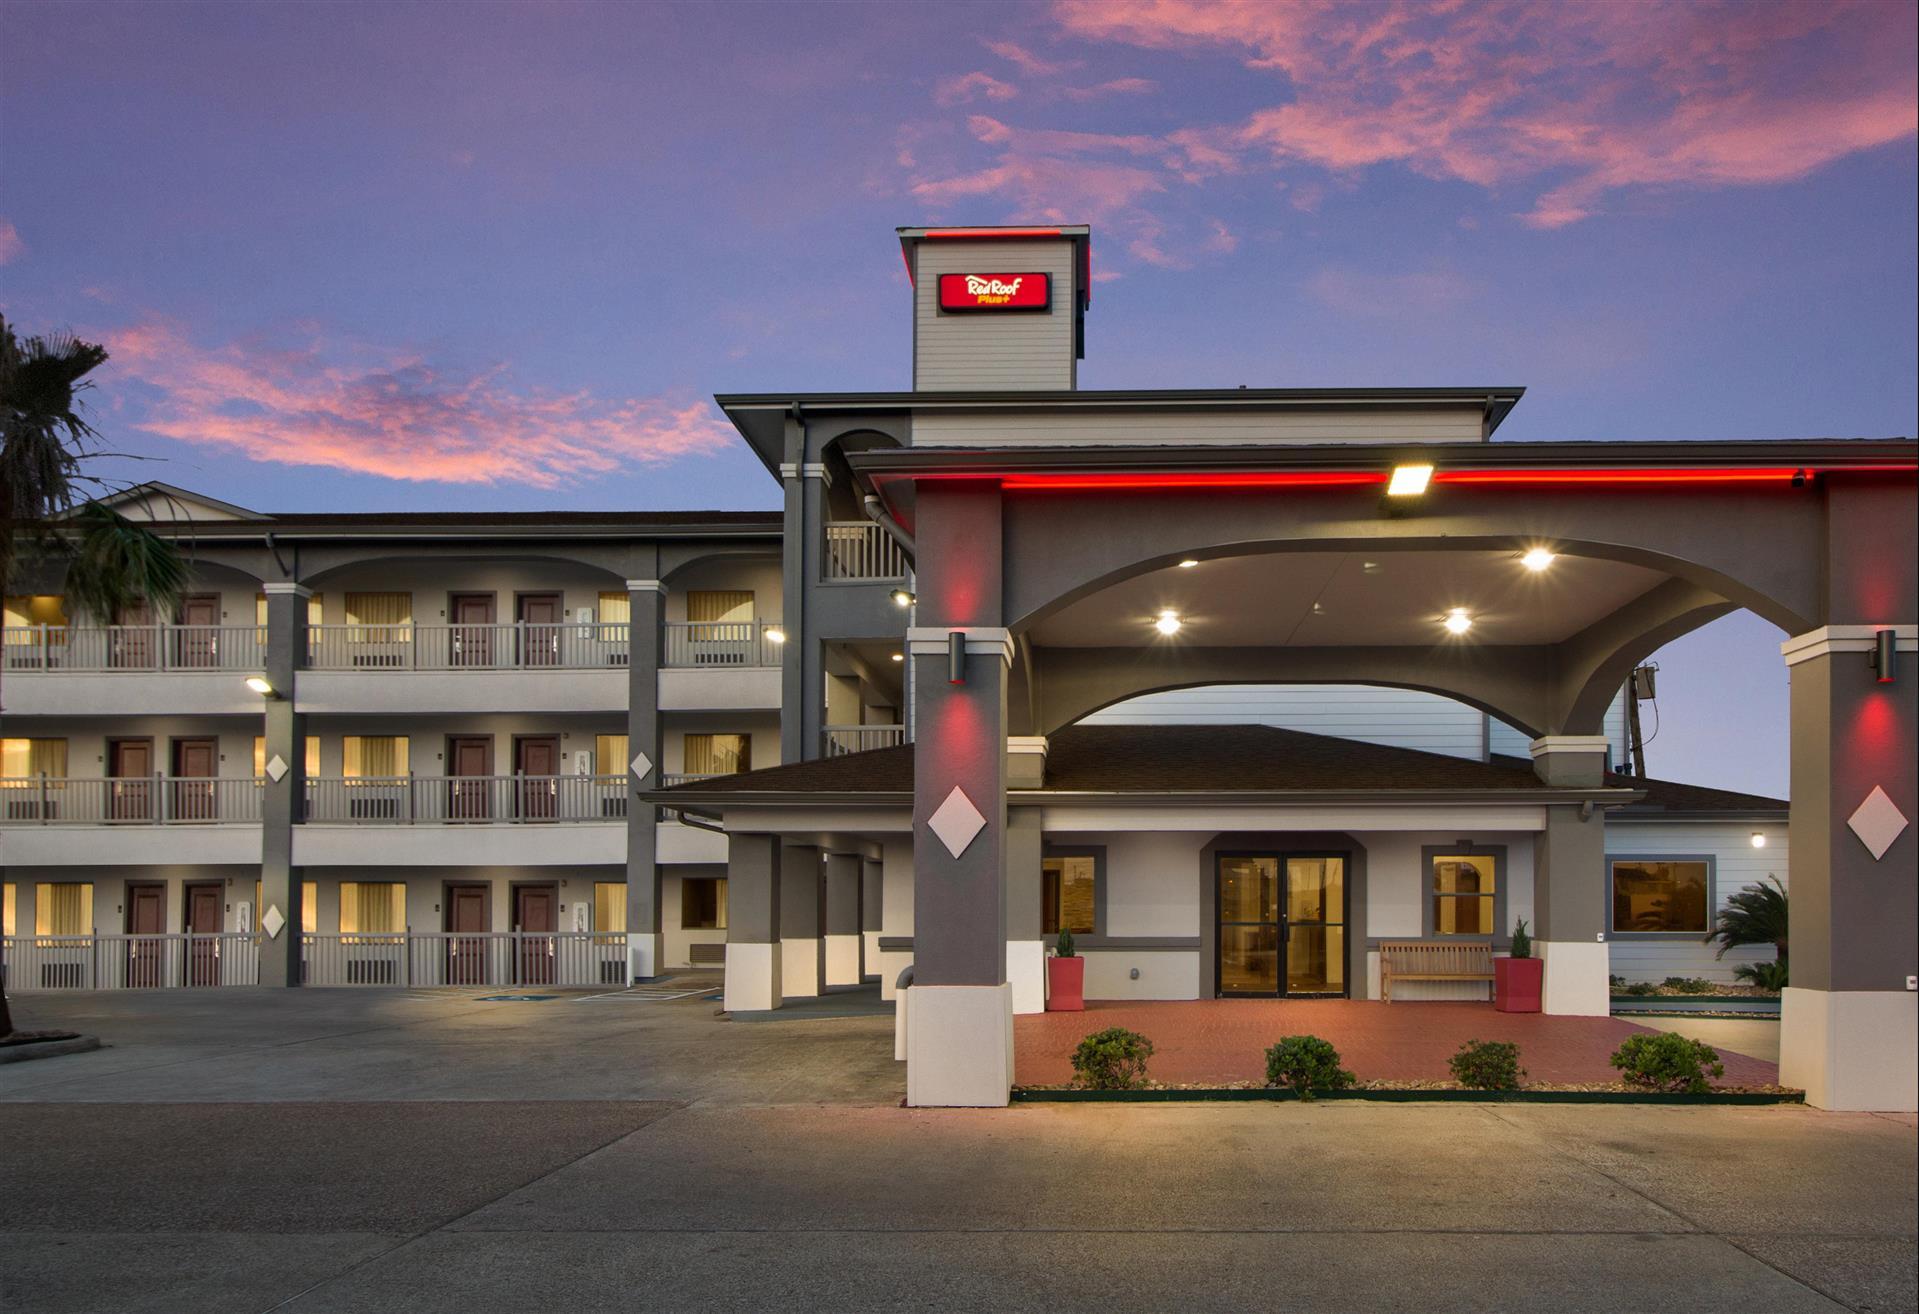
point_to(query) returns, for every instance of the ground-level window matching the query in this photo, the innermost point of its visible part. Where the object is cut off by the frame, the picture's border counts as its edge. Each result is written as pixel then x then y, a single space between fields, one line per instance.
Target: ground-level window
pixel 1662 896
pixel 609 905
pixel 63 908
pixel 1068 885
pixel 1464 893
pixel 309 907
pixel 703 904
pixel 260 756
pixel 372 907
pixel 718 755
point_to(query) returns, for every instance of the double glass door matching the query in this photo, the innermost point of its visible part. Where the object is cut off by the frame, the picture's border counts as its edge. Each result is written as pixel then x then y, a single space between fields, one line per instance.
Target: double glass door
pixel 1282 924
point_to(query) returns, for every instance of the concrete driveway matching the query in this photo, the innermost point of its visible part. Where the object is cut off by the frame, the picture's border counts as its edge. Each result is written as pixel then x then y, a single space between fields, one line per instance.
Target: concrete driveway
pixel 349 1150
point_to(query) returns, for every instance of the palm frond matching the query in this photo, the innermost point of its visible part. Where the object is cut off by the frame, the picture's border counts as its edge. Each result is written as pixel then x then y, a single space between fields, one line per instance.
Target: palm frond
pixel 117 564
pixel 1755 915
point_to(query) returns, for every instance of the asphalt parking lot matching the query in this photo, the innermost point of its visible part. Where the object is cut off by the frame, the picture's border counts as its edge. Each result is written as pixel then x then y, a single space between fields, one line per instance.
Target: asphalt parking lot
pixel 351 1150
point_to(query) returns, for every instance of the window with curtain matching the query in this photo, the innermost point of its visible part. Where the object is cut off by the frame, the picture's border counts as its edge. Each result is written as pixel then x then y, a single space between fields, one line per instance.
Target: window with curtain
pixel 714 606
pixel 63 908
pixel 372 907
pixel 379 617
pixel 1464 893
pixel 615 608
pixel 33 609
pixel 1067 888
pixel 717 755
pixel 315 611
pixel 309 907
pixel 610 756
pixel 1662 897
pixel 609 905
pixel 9 899
pixel 373 756
pixel 33 758
pixel 260 756
pixel 703 904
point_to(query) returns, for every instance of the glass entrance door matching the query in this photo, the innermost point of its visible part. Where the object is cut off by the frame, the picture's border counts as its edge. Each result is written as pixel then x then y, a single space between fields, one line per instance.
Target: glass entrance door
pixel 1282 924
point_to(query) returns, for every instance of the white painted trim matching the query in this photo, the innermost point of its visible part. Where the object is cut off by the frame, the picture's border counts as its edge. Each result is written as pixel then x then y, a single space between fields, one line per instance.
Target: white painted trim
pixel 799 967
pixel 283 586
pixel 1851 1049
pixel 1026 744
pixel 752 978
pixel 643 954
pixel 1570 744
pixel 646 586
pixel 1578 978
pixel 959 1046
pixel 1828 639
pixel 1026 974
pixel 981 641
pixel 842 960
pixel 809 470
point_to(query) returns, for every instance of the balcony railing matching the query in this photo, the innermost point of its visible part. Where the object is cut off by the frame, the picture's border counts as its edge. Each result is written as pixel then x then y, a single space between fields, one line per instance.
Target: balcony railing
pixel 844 739
pixel 565 646
pixel 415 958
pixel 133 647
pixel 722 644
pixel 466 800
pixel 861 550
pixel 129 801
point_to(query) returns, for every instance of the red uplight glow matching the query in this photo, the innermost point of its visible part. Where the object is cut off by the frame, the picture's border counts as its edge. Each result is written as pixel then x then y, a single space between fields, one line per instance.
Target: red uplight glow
pixel 1015 483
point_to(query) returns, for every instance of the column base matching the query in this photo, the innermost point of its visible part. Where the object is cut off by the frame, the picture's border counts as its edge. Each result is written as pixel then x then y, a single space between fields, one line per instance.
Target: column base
pixel 644 954
pixel 799 967
pixel 1851 1049
pixel 959 1046
pixel 869 955
pixel 1026 973
pixel 1578 978
pixel 752 978
pixel 842 960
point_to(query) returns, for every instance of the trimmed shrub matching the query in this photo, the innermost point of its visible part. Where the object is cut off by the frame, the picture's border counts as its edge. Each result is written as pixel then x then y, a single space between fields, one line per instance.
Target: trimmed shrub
pixel 1306 1064
pixel 1064 945
pixel 1668 1062
pixel 1113 1059
pixel 1487 1065
pixel 1688 985
pixel 1522 940
pixel 1640 988
pixel 1767 976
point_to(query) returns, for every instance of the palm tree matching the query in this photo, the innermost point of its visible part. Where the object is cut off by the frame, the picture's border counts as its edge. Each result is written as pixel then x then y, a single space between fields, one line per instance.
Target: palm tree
pixel 111 563
pixel 1755 915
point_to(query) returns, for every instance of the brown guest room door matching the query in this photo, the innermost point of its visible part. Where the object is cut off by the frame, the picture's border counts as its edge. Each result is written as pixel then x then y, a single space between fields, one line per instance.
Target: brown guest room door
pixel 146 915
pixel 466 916
pixel 536 911
pixel 540 629
pixel 537 763
pixel 130 763
pixel 469 756
pixel 195 763
pixel 472 615
pixel 203 918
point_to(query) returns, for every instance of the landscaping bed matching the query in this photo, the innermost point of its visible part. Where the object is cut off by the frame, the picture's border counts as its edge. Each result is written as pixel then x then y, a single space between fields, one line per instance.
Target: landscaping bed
pixel 1408 1092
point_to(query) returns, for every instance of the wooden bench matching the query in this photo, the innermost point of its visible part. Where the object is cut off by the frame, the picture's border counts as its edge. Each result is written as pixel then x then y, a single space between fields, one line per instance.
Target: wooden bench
pixel 1430 960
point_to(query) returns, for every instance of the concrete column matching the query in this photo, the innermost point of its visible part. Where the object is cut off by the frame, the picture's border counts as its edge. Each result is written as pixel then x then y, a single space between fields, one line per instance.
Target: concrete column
pixel 872 916
pixel 285 798
pixel 798 566
pixel 802 900
pixel 842 919
pixel 959 1023
pixel 646 600
pixel 753 973
pixel 1850 1020
pixel 1025 945
pixel 1569 912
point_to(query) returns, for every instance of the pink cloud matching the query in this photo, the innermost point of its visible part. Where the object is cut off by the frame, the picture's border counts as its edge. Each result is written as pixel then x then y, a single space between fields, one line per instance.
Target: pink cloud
pixel 973 86
pixel 394 414
pixel 1582 100
pixel 11 247
pixel 1051 174
pixel 1025 60
pixel 1116 87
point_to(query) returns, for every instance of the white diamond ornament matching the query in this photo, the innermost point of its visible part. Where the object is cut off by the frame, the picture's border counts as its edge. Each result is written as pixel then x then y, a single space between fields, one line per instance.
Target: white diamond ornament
pixel 1877 823
pixel 641 764
pixel 273 922
pixel 278 768
pixel 956 822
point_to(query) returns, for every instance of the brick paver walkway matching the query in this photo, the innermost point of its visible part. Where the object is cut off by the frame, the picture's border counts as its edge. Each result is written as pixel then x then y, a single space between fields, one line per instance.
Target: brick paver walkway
pixel 1226 1039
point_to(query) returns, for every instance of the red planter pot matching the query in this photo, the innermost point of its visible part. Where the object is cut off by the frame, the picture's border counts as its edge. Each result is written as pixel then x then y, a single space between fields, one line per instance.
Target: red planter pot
pixel 1065 985
pixel 1517 984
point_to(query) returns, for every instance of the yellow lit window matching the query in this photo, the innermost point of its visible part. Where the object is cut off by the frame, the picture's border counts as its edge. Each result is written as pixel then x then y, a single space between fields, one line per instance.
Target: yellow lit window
pixel 8 899
pixel 717 755
pixel 719 605
pixel 615 608
pixel 315 610
pixel 33 609
pixel 374 756
pixel 372 907
pixel 1066 895
pixel 610 756
pixel 30 758
pixel 309 907
pixel 1463 894
pixel 63 908
pixel 260 756
pixel 609 906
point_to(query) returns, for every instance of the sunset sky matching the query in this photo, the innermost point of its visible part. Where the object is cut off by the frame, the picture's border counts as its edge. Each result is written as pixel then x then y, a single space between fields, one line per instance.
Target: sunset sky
pixel 379 257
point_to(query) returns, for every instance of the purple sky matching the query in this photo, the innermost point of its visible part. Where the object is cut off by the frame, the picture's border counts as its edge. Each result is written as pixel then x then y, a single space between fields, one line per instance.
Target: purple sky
pixel 417 255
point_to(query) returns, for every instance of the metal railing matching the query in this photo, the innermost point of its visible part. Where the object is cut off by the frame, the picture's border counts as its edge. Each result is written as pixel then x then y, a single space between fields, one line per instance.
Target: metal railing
pixel 465 800
pixel 36 963
pixel 133 647
pixel 129 801
pixel 844 739
pixel 130 962
pixel 520 646
pixel 861 550
pixel 457 958
pixel 721 644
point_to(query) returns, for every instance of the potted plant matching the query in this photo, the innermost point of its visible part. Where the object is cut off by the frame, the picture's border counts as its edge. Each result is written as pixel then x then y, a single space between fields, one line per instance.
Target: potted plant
pixel 1065 978
pixel 1518 980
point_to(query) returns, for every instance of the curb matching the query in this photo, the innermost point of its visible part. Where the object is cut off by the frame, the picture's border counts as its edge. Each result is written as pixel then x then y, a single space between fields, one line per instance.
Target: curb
pixel 1023 1095
pixel 47 1049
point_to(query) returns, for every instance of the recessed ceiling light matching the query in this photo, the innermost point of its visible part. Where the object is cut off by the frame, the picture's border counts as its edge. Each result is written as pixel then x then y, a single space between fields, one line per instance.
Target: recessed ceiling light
pixel 774 634
pixel 1370 567
pixel 1188 564
pixel 899 656
pixel 1457 621
pixel 1409 480
pixel 1319 609
pixel 1168 622
pixel 1537 559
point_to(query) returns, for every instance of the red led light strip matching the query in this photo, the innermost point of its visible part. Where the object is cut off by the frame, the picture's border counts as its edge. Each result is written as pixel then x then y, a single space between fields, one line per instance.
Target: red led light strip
pixel 1222 479
pixel 1051 482
pixel 991 232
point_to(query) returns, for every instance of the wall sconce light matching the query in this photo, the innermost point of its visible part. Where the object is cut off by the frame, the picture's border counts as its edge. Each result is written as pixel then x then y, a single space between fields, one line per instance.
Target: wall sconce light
pixel 774 634
pixel 1885 655
pixel 956 657
pixel 1759 839
pixel 903 598
pixel 262 686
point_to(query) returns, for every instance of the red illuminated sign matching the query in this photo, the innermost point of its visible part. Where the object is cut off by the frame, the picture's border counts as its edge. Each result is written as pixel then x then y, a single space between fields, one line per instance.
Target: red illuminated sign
pixel 965 293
